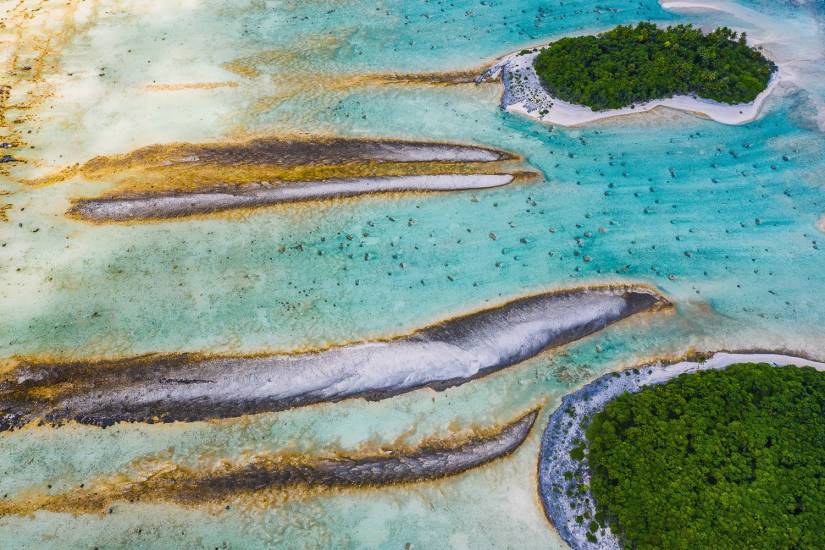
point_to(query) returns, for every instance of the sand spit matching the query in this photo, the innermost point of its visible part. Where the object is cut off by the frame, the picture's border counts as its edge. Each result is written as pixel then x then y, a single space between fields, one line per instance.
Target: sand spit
pixel 523 93
pixel 565 430
pixel 165 388
pixel 264 473
pixel 180 204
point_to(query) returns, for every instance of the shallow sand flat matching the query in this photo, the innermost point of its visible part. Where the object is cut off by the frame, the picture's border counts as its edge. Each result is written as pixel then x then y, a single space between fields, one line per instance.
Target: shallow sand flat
pixel 565 429
pixel 191 387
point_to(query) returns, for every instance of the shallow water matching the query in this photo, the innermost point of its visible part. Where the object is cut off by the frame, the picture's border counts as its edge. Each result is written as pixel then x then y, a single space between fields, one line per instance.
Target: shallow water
pixel 721 219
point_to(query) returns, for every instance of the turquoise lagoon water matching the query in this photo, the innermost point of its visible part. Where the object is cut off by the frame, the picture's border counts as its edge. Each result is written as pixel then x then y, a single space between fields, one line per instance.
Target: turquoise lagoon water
pixel 721 219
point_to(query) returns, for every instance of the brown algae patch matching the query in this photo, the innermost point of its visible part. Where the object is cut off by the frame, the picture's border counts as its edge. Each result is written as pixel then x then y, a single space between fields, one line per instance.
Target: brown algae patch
pixel 4 207
pixel 189 165
pixel 162 480
pixel 179 86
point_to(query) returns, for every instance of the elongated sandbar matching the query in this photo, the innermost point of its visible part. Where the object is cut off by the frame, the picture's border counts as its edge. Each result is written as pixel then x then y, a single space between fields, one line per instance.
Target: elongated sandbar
pixel 190 387
pixel 187 203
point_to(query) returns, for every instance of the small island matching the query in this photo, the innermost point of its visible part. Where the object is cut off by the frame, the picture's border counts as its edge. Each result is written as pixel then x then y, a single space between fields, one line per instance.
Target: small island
pixel 632 69
pixel 721 451
pixel 629 65
pixel 728 458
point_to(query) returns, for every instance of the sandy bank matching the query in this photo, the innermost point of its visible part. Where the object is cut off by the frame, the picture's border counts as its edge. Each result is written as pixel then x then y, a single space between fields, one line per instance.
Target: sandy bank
pixel 565 429
pixel 193 387
pixel 523 93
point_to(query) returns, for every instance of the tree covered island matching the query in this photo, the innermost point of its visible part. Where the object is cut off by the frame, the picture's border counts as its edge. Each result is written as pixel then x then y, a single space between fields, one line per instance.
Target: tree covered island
pixel 730 458
pixel 628 65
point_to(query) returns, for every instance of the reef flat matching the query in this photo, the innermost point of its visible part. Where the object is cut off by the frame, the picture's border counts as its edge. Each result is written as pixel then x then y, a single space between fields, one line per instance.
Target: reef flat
pixel 186 165
pixel 428 461
pixel 564 481
pixel 188 387
pixel 175 205
pixel 104 99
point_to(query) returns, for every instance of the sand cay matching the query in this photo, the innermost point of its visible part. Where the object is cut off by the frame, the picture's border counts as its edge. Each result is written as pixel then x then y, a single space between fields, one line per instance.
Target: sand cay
pixel 186 387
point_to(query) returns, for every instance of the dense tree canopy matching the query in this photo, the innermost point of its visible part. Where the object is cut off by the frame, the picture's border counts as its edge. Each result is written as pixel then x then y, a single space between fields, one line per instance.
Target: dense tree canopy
pixel 717 459
pixel 636 64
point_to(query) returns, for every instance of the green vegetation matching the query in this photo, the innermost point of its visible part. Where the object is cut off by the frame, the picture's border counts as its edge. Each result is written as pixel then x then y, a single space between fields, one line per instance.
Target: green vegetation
pixel 717 459
pixel 630 64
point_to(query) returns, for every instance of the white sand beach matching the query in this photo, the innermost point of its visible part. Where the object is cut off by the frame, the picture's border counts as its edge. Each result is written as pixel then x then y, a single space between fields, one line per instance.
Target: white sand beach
pixel 524 94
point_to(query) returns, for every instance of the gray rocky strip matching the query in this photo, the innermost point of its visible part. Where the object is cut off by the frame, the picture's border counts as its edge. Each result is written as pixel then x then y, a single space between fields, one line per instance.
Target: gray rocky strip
pixel 187 203
pixel 569 422
pixel 190 387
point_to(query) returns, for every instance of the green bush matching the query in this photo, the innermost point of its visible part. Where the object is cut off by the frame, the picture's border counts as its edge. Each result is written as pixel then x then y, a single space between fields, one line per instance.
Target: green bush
pixel 630 64
pixel 717 459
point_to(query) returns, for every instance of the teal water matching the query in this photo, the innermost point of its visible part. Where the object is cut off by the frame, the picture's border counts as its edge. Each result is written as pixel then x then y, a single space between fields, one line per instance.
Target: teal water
pixel 721 219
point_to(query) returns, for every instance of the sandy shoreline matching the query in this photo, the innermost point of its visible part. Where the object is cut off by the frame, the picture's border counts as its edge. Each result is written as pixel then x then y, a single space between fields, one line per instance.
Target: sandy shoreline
pixel 524 94
pixel 564 430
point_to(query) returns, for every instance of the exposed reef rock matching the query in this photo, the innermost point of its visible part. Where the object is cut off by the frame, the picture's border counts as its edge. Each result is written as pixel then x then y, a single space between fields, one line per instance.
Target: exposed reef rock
pixel 433 460
pixel 174 205
pixel 564 481
pixel 191 387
